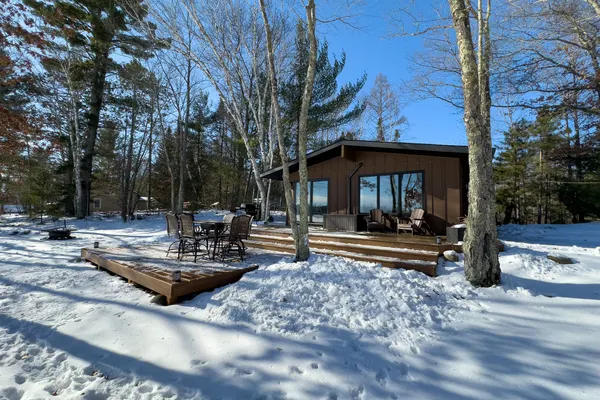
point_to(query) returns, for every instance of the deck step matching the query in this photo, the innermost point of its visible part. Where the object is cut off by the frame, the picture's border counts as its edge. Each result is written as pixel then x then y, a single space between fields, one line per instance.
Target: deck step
pixel 391 240
pixel 427 267
pixel 370 249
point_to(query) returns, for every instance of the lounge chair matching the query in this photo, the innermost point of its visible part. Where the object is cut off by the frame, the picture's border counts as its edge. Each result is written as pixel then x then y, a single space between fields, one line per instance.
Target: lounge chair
pixel 415 223
pixel 376 220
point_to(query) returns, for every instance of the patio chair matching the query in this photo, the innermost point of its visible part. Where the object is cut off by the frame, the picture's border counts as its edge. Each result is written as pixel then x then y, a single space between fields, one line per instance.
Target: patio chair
pixel 227 218
pixel 173 232
pixel 190 237
pixel 238 232
pixel 415 223
pixel 376 220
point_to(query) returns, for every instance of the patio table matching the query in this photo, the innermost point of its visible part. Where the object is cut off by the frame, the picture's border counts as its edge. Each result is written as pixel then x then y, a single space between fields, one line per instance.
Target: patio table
pixel 217 226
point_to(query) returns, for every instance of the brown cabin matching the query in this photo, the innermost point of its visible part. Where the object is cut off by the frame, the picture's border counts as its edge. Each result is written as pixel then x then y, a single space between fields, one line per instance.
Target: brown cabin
pixel 350 177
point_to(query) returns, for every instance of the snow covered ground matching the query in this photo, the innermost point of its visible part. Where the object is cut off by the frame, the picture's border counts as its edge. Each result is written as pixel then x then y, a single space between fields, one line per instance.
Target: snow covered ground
pixel 329 328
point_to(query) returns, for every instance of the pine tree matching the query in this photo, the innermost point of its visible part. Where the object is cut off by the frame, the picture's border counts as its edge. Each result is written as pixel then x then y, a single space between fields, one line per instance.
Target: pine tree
pixel 101 29
pixel 330 108
pixel 511 170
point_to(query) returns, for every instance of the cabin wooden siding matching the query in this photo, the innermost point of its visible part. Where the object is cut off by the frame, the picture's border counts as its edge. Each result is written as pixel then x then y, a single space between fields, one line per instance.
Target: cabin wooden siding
pixel 443 183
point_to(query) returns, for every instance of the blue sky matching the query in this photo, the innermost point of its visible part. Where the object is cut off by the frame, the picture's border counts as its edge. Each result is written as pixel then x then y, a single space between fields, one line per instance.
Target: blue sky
pixel 369 50
pixel 430 121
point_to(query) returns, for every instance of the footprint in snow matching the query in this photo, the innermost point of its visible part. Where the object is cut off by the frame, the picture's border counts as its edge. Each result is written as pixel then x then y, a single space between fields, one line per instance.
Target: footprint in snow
pixel 11 393
pixel 358 392
pixel 314 366
pixel 381 377
pixel 243 371
pixel 403 369
pixel 296 370
pixel 198 363
pixel 320 354
pixel 145 388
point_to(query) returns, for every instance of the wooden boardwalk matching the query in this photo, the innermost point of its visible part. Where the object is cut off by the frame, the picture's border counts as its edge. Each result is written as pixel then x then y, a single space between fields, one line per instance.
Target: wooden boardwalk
pixel 145 271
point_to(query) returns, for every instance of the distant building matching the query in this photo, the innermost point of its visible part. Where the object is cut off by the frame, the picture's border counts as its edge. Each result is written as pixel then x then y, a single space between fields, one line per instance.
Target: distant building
pixel 103 201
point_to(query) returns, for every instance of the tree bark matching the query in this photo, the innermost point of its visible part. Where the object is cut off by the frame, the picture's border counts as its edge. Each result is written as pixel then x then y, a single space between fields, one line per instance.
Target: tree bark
pixel 96 102
pixel 595 5
pixel 126 188
pixel 482 267
pixel 75 140
pixel 287 185
pixel 303 251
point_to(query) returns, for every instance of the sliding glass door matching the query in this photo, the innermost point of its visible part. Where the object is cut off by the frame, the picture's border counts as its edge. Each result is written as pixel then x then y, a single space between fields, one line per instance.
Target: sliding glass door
pixel 318 193
pixel 318 202
pixel 392 193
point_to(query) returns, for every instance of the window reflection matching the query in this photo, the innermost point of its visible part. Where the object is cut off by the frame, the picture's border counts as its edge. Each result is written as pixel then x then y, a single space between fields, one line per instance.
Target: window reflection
pixel 318 206
pixel 394 193
pixel 412 192
pixel 318 192
pixel 388 193
pixel 368 193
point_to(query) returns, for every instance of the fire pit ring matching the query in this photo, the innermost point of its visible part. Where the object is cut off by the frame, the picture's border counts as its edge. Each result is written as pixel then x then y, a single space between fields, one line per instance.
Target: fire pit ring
pixel 59 233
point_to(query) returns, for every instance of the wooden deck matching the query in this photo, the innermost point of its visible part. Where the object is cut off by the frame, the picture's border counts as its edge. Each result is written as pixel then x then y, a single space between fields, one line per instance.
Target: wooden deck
pixel 418 253
pixel 145 271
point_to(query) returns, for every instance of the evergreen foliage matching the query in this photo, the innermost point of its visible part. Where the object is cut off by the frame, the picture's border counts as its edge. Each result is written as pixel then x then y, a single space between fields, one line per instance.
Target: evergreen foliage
pixel 332 106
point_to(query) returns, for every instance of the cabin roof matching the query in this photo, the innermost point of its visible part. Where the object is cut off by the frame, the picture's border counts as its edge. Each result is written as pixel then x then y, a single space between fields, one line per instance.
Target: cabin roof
pixel 335 150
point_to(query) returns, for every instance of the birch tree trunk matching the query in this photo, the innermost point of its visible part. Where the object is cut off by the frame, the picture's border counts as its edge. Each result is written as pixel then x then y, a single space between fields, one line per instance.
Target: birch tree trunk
pixel 300 231
pixel 303 251
pixel 595 5
pixel 481 252
pixel 287 185
pixel 74 137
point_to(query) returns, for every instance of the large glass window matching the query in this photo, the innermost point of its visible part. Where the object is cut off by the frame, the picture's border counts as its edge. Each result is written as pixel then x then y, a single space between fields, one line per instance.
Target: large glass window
pixel 318 204
pixel 318 192
pixel 388 193
pixel 368 193
pixel 394 193
pixel 412 192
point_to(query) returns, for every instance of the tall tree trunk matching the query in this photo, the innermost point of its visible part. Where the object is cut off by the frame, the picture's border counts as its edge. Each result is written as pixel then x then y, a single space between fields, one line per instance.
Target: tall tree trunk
pixel 287 185
pixel 303 251
pixel 578 163
pixel 70 200
pixel 183 137
pixel 595 5
pixel 96 102
pixel 149 203
pixel 482 267
pixel 126 189
pixel 76 148
pixel 75 140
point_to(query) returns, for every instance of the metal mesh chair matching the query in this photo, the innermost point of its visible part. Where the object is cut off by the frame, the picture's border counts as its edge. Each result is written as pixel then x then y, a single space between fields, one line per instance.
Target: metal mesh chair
pixel 191 239
pixel 173 232
pixel 238 232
